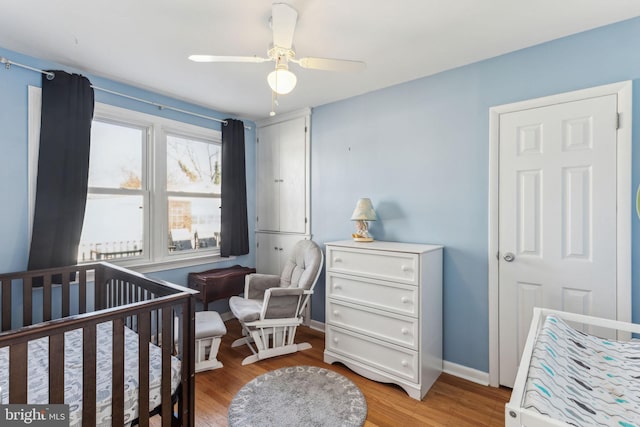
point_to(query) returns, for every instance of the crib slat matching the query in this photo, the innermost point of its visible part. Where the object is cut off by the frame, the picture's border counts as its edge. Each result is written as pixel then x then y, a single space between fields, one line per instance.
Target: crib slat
pixel 65 295
pixel 144 336
pixel 158 328
pixel 18 373
pixel 129 300
pixel 99 288
pixel 89 376
pixel 46 298
pixel 108 289
pixel 56 368
pixel 117 406
pixel 6 304
pixel 119 289
pixel 167 344
pixel 187 338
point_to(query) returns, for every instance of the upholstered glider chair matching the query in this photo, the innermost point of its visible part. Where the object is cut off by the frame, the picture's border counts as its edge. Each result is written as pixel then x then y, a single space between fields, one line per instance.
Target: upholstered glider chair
pixel 272 306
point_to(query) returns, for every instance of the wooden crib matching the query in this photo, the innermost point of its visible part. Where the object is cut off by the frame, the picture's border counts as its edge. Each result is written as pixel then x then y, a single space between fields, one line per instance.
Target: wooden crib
pixel 110 312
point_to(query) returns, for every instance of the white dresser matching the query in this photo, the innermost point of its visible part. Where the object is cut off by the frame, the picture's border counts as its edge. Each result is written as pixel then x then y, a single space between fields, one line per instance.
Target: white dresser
pixel 384 311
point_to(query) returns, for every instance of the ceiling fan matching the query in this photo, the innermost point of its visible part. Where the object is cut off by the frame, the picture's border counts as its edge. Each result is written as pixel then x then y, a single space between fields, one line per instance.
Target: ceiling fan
pixel 281 80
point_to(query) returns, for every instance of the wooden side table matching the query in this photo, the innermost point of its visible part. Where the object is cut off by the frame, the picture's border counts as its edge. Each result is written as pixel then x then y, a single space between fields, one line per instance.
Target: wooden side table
pixel 219 283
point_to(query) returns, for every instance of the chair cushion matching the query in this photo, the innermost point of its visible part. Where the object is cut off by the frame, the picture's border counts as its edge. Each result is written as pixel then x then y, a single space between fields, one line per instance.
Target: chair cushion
pixel 245 310
pixel 301 269
pixel 283 303
pixel 257 283
pixel 209 324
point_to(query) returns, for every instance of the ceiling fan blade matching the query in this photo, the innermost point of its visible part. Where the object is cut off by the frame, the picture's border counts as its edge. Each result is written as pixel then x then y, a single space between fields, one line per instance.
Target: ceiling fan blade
pixel 214 58
pixel 330 64
pixel 283 24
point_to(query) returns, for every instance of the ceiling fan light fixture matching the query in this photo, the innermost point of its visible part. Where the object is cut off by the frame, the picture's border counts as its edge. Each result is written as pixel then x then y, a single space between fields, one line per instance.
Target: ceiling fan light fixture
pixel 282 81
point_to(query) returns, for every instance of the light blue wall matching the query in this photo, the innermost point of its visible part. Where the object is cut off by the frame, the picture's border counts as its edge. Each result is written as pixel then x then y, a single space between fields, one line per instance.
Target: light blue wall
pixel 420 151
pixel 13 156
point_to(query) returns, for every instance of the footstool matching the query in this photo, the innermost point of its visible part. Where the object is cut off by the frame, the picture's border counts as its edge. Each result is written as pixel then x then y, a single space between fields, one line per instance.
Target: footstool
pixel 209 331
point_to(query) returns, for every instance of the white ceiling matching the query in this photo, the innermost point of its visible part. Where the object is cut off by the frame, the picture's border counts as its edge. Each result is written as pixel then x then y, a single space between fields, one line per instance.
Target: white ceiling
pixel 146 42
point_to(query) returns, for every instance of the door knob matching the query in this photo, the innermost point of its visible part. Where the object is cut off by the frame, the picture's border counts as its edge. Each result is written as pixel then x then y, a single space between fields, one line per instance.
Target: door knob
pixel 509 257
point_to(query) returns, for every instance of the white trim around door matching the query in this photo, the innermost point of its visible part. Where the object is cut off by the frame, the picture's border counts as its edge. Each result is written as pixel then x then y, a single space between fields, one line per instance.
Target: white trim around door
pixel 624 92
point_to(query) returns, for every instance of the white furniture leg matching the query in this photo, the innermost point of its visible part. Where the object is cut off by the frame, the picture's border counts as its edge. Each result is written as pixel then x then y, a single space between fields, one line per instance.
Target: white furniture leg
pixel 209 331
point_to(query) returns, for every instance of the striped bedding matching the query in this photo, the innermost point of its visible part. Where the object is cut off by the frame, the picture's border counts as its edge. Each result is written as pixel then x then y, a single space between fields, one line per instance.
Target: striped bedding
pixel 38 388
pixel 584 380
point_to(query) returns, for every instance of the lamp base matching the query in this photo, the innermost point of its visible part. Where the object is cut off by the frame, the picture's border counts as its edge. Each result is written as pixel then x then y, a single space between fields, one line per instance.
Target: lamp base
pixel 363 239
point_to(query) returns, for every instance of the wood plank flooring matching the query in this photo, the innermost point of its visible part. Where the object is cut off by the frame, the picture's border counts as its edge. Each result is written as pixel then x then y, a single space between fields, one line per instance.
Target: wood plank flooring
pixel 450 402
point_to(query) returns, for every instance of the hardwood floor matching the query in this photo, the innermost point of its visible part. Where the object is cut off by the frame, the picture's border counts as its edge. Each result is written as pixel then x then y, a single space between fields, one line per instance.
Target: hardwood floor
pixel 450 402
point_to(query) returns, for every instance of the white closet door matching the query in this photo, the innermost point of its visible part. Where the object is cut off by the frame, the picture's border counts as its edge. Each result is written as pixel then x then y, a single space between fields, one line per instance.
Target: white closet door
pixel 293 177
pixel 268 179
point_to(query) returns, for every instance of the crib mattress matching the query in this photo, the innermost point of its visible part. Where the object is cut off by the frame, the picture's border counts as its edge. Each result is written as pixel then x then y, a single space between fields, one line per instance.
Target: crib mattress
pixel 38 384
pixel 583 380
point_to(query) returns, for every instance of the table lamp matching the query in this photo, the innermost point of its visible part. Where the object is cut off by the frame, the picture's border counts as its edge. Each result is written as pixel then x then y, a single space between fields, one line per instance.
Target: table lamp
pixel 364 212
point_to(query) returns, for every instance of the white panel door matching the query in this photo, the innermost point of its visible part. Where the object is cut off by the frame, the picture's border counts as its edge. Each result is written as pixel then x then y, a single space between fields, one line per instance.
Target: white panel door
pixel 268 186
pixel 292 176
pixel 267 255
pixel 273 250
pixel 557 216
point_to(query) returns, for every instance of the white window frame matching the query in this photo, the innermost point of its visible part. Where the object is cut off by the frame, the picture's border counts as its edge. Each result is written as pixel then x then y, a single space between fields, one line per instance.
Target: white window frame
pixel 156 255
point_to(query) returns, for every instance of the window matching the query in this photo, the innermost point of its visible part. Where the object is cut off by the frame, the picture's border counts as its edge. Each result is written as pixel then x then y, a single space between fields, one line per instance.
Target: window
pixel 154 189
pixel 114 216
pixel 193 190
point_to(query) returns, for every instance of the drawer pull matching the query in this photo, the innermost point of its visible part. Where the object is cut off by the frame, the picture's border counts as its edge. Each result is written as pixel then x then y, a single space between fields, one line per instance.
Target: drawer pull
pixel 405 300
pixel 335 340
pixel 405 268
pixel 336 313
pixel 337 286
pixel 404 331
pixel 404 363
pixel 337 259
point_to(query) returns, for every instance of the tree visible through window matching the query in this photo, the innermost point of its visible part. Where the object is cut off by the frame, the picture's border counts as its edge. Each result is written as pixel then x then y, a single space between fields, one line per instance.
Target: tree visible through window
pixel 154 188
pixel 114 216
pixel 193 187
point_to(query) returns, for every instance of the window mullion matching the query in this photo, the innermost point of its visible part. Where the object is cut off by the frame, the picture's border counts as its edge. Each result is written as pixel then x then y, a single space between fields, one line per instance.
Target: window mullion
pixel 158 194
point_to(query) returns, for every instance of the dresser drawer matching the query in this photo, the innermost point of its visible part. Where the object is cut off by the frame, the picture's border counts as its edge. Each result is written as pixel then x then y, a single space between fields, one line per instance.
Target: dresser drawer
pixel 390 358
pixel 389 296
pixel 401 330
pixel 396 266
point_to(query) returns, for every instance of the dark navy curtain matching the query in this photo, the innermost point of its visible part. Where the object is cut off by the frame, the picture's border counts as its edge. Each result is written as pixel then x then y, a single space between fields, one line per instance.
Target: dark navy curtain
pixel 234 224
pixel 63 170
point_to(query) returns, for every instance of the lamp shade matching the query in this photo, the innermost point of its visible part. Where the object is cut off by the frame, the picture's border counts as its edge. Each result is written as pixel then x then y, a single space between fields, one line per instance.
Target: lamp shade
pixel 282 81
pixel 364 211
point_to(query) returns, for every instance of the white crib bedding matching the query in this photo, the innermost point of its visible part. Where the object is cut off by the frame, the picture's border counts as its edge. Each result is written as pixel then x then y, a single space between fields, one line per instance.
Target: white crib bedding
pixel 583 380
pixel 38 384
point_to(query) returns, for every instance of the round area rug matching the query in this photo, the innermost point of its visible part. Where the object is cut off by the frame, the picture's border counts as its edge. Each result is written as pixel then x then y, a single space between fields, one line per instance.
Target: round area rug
pixel 298 396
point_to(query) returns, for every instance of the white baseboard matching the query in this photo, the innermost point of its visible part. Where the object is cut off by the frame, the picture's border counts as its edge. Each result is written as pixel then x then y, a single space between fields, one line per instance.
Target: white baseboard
pixel 318 326
pixel 466 373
